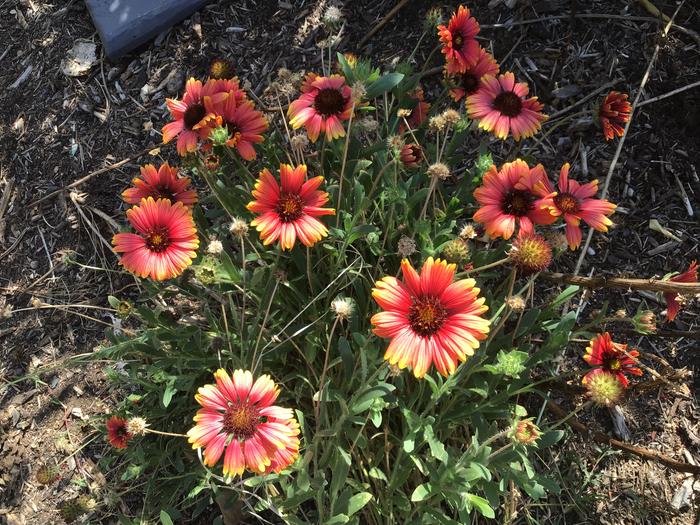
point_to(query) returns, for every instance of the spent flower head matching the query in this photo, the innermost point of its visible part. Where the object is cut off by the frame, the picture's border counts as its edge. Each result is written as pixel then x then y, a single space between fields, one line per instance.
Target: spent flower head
pixel 406 246
pixel 215 247
pixel 468 232
pixel 238 227
pixel 456 251
pixel 342 307
pixel 531 253
pixel 515 303
pixel 137 426
pixel 439 170
pixel 451 116
pixel 526 432
pixel 332 16
pixel 604 388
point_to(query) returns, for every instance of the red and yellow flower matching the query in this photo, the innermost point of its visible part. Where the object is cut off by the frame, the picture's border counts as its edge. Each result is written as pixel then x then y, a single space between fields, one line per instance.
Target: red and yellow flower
pixel 575 202
pixel 430 319
pixel 614 112
pixel 289 210
pixel 160 183
pixel 117 433
pixel 322 108
pixel 244 124
pixel 458 40
pixel 239 422
pixel 604 354
pixel 465 83
pixel 411 156
pixel 500 105
pixel 507 197
pixel 673 305
pixel 165 242
pixel 191 121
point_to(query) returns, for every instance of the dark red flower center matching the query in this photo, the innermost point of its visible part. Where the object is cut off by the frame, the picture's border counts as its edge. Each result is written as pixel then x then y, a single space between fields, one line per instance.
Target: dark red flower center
pixel 290 207
pixel 470 83
pixel 518 203
pixel 193 115
pixel 329 102
pixel 457 40
pixel 161 191
pixel 426 315
pixel 157 239
pixel 566 202
pixel 234 132
pixel 508 104
pixel 611 362
pixel 241 420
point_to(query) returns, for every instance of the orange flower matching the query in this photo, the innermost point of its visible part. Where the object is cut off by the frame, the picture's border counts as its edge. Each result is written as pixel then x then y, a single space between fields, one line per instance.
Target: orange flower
pixel 161 183
pixel 429 318
pixel 322 108
pixel 500 106
pixel 468 82
pixel 458 40
pixel 289 211
pixel 574 202
pixel 165 242
pixel 614 358
pixel 672 303
pixel 117 433
pixel 507 198
pixel 238 417
pixel 613 113
pixel 192 122
pixel 244 124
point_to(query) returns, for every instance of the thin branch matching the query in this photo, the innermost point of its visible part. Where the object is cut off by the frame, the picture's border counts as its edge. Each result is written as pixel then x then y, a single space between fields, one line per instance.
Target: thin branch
pixel 651 285
pixel 383 22
pixel 603 439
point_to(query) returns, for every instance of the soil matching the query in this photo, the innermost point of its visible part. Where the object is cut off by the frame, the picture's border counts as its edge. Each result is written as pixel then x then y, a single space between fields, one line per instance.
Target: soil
pixel 55 129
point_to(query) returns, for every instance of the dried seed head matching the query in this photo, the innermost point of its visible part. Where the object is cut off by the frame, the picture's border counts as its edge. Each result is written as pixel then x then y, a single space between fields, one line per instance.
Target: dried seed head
pixel 404 113
pixel 47 474
pixel 621 313
pixel 406 246
pixel 439 170
pixel 238 227
pixel 395 143
pixel 456 251
pixel 531 253
pixel 215 247
pixel 437 123
pixel 342 307
pixel 468 232
pixel 221 69
pixel 6 311
pixel 358 92
pixel 604 388
pixel 284 74
pixel 332 16
pixel 433 17
pixel 451 116
pixel 367 124
pixel 299 142
pixel 136 426
pixel 515 303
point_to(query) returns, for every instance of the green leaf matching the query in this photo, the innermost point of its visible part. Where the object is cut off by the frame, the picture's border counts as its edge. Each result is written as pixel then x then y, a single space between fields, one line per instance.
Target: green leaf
pixel 168 394
pixel 565 295
pixel 165 518
pixel 437 449
pixel 383 84
pixel 365 400
pixel 338 519
pixel 358 501
pixel 550 438
pixel 421 493
pixel 481 505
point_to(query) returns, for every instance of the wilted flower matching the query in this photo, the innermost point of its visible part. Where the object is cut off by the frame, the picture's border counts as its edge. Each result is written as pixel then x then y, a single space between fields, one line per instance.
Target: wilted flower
pixel 332 15
pixel 674 300
pixel 367 124
pixel 604 354
pixel 117 432
pixel 342 307
pixel 644 322
pixel 215 247
pixel 47 474
pixel 613 113
pixel 238 227
pixel 221 69
pixel 430 319
pixel 406 246
pixel 437 123
pixel 411 156
pixel 468 232
pixel 439 170
pixel 603 387
pixel 212 162
pixel 299 142
pixel 451 116
pixel 358 92
pixel 238 417
pixel 557 240
pixel 417 113
pixel 124 308
pixel 531 253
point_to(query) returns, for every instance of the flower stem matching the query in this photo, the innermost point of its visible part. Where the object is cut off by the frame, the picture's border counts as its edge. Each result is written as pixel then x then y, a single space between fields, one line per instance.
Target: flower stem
pixel 342 167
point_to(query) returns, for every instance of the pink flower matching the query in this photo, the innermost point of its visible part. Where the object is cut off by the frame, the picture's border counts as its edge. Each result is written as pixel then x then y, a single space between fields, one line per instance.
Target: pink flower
pixel 322 108
pixel 672 303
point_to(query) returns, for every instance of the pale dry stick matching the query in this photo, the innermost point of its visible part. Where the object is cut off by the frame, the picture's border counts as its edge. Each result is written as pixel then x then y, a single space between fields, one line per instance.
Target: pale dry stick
pixel 286 129
pixel 324 371
pixel 342 166
pixel 669 94
pixel 93 174
pixel 228 333
pixel 382 22
pixel 243 269
pixel 431 189
pixel 620 144
pixel 262 326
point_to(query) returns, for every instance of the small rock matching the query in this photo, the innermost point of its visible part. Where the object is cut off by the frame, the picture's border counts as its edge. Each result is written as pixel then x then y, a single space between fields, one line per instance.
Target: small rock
pixel 78 412
pixel 80 59
pixel 175 82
